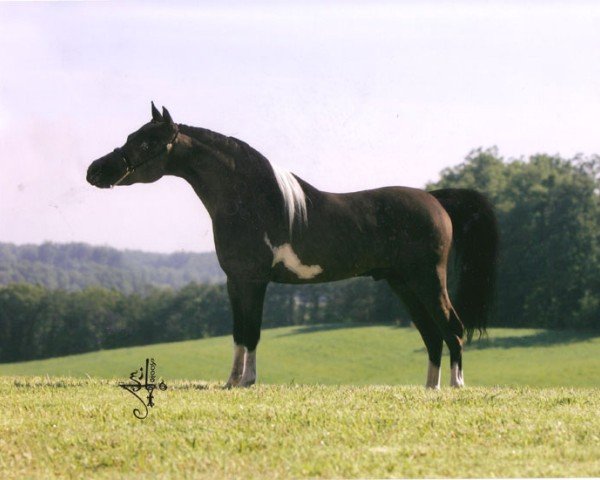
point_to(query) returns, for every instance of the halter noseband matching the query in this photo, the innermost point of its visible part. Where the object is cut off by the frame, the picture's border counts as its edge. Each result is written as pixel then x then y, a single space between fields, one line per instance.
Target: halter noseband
pixel 130 168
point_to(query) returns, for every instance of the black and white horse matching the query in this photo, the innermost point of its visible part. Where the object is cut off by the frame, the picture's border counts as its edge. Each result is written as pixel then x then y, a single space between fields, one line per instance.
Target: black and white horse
pixel 271 226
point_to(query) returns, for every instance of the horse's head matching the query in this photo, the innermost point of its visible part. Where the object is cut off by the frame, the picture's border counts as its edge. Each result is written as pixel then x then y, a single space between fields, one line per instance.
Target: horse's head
pixel 143 157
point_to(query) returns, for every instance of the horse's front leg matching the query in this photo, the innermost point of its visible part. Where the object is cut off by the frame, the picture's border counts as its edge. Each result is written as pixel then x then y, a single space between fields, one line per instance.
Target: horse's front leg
pixel 239 352
pixel 247 300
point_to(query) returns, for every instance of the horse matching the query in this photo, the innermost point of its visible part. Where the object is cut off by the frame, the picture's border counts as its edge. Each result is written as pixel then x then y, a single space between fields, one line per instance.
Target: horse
pixel 270 225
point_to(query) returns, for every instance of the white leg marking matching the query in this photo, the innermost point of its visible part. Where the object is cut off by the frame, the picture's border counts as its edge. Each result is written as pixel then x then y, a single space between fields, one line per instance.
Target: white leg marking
pixel 433 376
pixel 284 253
pixel 249 375
pixel 238 366
pixel 456 376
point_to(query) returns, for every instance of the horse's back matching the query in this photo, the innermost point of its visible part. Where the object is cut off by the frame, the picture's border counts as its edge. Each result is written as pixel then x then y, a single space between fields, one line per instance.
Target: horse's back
pixel 394 209
pixel 369 232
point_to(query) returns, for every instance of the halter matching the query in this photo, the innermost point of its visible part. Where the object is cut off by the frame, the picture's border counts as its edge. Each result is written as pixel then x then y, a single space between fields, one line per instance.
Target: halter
pixel 130 168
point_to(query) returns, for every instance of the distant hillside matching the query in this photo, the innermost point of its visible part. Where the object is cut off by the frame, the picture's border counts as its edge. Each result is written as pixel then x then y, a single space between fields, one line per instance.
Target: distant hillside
pixel 74 266
pixel 352 354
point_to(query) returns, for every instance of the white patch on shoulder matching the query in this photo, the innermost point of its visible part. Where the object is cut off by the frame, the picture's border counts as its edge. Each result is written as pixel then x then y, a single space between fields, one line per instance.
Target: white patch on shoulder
pixel 285 253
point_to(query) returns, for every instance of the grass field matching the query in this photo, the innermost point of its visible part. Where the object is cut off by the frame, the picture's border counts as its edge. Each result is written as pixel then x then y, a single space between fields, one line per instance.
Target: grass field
pixel 358 356
pixel 79 428
pixel 292 424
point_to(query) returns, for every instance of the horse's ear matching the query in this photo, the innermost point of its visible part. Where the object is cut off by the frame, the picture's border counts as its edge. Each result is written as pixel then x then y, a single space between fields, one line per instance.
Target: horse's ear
pixel 167 116
pixel 156 116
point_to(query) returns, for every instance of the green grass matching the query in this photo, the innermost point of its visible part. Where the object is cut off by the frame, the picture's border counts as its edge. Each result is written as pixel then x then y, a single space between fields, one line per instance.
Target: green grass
pixel 79 428
pixel 362 355
pixel 542 421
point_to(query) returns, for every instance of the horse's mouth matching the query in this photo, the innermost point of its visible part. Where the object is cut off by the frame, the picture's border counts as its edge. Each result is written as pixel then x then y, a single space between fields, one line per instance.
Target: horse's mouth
pixel 94 177
pixel 97 176
pixel 102 184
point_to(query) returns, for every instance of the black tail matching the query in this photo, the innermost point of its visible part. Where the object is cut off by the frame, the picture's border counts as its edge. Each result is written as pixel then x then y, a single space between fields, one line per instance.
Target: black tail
pixel 475 240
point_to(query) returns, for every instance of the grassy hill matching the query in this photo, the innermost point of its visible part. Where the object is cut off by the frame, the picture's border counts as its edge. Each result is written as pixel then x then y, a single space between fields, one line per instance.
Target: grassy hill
pixel 64 427
pixel 358 355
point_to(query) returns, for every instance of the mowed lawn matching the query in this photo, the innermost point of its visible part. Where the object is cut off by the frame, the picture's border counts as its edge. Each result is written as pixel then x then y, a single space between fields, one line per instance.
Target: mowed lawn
pixel 80 428
pixel 359 355
pixel 542 420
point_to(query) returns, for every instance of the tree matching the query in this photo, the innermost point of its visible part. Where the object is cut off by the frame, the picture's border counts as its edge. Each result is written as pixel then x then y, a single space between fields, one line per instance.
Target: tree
pixel 548 209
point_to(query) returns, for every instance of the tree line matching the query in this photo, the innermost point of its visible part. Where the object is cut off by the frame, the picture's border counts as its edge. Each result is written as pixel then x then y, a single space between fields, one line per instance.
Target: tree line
pixel 548 274
pixel 75 266
pixel 548 209
pixel 36 322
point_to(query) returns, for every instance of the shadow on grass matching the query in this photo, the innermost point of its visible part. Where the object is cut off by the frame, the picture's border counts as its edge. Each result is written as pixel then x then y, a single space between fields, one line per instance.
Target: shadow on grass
pixel 188 385
pixel 324 327
pixel 544 338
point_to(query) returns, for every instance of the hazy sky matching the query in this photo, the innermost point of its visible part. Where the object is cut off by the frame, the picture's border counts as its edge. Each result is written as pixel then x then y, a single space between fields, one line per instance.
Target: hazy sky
pixel 347 95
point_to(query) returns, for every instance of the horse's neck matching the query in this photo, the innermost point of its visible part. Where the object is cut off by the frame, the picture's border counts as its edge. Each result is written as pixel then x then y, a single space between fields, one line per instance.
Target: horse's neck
pixel 207 161
pixel 205 168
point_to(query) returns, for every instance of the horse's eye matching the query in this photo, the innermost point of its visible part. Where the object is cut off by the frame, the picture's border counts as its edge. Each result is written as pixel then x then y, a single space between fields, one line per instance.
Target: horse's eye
pixel 144 146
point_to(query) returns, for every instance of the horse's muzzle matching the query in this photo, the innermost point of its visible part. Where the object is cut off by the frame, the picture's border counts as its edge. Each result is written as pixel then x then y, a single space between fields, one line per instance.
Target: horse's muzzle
pixel 94 176
pixel 103 172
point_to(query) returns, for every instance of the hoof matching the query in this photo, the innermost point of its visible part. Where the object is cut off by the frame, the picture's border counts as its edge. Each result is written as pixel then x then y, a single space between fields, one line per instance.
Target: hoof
pixel 456 377
pixel 247 383
pixel 232 382
pixel 239 384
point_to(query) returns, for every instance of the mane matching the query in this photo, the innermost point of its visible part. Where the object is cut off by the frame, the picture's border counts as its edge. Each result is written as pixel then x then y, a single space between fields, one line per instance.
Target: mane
pixel 294 199
pixel 293 196
pixel 208 137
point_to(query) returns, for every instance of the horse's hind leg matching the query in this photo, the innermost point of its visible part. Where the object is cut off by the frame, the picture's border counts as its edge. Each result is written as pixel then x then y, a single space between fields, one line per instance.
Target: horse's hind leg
pixel 431 290
pixel 427 328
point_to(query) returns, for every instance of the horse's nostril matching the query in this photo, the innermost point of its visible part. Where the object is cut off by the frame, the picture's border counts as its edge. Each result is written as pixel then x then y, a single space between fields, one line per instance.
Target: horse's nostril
pixel 92 174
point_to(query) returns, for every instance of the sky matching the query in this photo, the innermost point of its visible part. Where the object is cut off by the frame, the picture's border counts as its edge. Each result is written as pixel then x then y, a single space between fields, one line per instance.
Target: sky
pixel 347 95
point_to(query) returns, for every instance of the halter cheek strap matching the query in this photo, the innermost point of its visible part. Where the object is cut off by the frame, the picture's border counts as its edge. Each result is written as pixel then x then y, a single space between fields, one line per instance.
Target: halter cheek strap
pixel 130 168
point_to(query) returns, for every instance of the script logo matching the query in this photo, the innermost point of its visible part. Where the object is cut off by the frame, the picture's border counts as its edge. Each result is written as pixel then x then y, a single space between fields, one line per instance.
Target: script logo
pixel 136 385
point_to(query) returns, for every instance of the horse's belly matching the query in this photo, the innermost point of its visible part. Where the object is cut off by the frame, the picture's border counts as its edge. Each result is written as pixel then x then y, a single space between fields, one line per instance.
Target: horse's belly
pixel 291 268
